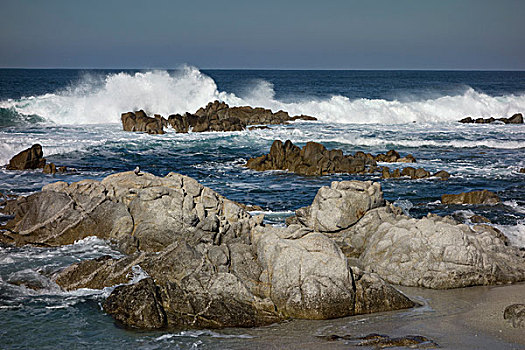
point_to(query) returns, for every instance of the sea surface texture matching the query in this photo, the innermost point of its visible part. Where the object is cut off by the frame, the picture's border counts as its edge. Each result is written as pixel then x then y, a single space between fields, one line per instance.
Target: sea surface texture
pixel 75 116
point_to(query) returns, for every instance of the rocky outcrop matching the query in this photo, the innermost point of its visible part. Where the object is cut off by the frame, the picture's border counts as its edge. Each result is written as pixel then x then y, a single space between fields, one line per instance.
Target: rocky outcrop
pixel 515 119
pixel 474 197
pixel 515 315
pixel 31 158
pixel 202 260
pixel 432 252
pixel 139 121
pixel 315 159
pixel 312 159
pixel 218 116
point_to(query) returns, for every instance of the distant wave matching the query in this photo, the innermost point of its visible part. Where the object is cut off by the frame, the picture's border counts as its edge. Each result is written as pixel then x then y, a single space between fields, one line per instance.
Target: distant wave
pixel 103 99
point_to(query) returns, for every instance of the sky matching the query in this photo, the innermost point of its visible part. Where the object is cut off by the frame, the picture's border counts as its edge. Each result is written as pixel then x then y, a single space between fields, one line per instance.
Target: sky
pixel 268 34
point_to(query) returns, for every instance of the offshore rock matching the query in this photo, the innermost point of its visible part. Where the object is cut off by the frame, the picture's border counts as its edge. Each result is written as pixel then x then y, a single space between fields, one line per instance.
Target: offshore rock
pixel 31 158
pixel 432 252
pixel 218 116
pixel 474 197
pixel 205 262
pixel 515 119
pixel 315 159
pixel 312 159
pixel 139 121
pixel 412 173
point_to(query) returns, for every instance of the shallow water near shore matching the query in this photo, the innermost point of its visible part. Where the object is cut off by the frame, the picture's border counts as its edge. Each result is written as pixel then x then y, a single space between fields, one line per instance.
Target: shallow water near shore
pixel 75 116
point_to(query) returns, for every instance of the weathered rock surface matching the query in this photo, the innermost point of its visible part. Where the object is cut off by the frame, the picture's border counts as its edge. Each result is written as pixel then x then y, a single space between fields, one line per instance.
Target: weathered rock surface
pixel 341 205
pixel 432 252
pixel 474 197
pixel 31 158
pixel 515 314
pixel 218 116
pixel 315 159
pixel 515 119
pixel 312 159
pixel 207 262
pixel 139 121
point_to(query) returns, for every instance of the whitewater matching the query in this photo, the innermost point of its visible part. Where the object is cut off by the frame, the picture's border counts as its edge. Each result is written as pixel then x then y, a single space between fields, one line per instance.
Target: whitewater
pixel 101 99
pixel 75 116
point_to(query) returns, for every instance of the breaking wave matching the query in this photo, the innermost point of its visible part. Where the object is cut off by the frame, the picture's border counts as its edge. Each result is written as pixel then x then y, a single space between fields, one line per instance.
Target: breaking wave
pixel 97 100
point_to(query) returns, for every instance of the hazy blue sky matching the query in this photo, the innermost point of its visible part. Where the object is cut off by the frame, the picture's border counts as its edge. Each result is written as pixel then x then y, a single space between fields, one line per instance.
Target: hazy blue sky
pixel 366 34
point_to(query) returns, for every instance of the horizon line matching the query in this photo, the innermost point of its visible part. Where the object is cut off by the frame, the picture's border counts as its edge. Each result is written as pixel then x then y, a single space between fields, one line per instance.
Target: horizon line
pixel 282 69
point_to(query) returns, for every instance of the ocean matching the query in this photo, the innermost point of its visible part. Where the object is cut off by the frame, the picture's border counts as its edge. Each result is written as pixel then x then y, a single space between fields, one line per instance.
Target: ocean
pixel 75 116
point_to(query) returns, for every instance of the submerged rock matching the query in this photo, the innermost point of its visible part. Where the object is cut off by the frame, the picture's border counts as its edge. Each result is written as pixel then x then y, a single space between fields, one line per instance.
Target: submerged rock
pixel 380 341
pixel 139 121
pixel 31 158
pixel 473 197
pixel 515 119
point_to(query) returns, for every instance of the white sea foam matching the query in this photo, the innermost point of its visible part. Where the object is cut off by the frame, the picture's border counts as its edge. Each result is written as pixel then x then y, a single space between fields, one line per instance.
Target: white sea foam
pixel 103 99
pixel 515 233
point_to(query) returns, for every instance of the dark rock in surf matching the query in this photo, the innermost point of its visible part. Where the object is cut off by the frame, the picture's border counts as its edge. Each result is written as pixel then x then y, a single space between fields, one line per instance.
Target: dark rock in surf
pixel 312 159
pixel 473 197
pixel 218 116
pixel 412 173
pixel 393 157
pixel 515 119
pixel 31 158
pixel 137 305
pixel 139 121
pixel 49 168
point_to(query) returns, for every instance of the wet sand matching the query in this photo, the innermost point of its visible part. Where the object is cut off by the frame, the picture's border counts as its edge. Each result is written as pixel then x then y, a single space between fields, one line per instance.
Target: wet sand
pixel 466 318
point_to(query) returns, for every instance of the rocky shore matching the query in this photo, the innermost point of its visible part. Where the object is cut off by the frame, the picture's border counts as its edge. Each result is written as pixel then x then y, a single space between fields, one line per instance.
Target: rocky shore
pixel 207 263
pixel 216 116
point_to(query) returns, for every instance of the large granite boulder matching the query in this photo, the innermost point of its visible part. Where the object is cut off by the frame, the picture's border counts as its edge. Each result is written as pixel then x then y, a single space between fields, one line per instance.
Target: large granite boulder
pixel 473 197
pixel 31 158
pixel 194 258
pixel 139 121
pixel 136 212
pixel 433 252
pixel 341 205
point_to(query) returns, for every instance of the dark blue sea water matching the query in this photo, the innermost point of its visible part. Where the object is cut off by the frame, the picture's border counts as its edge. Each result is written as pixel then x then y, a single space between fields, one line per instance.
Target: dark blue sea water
pixel 75 115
